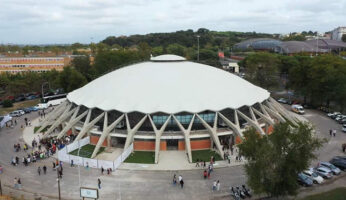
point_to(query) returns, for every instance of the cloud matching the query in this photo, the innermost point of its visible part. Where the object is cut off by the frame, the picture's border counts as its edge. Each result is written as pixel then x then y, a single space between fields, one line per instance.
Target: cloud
pixel 68 21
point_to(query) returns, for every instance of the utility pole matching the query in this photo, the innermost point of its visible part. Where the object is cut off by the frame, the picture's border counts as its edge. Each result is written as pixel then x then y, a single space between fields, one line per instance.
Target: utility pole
pixel 198 48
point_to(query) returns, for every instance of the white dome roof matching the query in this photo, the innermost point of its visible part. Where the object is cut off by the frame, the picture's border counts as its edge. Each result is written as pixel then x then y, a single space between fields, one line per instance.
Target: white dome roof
pixel 169 87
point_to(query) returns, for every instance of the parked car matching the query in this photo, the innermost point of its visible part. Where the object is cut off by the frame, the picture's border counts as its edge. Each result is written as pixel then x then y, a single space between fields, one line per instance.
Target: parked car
pixel 17 113
pixel 333 114
pixel 26 110
pixel 344 128
pixel 335 170
pixel 304 180
pixel 340 157
pixel 31 97
pixel 20 98
pixel 339 162
pixel 283 100
pixel 317 179
pixel 336 116
pixel 33 109
pixel 324 172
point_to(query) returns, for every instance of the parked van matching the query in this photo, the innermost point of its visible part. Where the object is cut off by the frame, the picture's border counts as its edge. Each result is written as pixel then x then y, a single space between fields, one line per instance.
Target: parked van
pixel 42 106
pixel 298 109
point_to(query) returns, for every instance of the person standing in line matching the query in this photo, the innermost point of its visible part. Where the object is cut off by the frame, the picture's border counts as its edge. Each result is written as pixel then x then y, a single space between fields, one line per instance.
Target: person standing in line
pixel 218 185
pixel 99 183
pixel 44 169
pixel 205 174
pixel 39 170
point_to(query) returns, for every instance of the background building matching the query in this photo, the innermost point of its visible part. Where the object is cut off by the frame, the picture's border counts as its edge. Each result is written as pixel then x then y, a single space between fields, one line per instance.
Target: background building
pixel 338 32
pixel 34 64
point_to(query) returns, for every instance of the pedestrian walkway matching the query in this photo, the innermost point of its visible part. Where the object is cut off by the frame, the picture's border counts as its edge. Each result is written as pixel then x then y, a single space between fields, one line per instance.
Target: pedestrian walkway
pixel 176 160
pixel 28 132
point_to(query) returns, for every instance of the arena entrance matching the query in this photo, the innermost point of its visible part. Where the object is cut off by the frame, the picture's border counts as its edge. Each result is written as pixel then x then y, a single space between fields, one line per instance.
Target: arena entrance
pixel 172 144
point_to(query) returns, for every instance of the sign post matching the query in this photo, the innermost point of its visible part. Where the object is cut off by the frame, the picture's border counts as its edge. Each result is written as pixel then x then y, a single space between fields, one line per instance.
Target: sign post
pixel 90 193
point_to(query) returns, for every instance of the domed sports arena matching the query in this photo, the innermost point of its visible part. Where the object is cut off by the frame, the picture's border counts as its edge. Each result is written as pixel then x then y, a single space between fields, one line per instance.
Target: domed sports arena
pixel 167 103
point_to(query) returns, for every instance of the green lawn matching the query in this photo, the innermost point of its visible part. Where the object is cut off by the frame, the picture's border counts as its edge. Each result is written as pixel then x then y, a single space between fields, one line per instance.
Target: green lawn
pixel 336 194
pixel 86 151
pixel 38 127
pixel 205 155
pixel 146 157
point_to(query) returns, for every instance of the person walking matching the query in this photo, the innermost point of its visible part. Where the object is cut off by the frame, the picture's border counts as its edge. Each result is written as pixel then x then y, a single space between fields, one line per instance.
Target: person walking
pixel 334 132
pixel 181 183
pixel 19 182
pixel 214 186
pixel 330 132
pixel 174 179
pixel 72 164
pixel 197 163
pixel 99 183
pixel 218 185
pixel 102 170
pixel 39 170
pixel 15 183
pixel 44 169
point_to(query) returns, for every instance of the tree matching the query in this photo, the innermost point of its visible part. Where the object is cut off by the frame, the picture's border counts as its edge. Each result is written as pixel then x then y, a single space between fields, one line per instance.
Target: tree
pixel 176 49
pixel 275 160
pixel 343 38
pixel 82 64
pixel 261 69
pixel 71 79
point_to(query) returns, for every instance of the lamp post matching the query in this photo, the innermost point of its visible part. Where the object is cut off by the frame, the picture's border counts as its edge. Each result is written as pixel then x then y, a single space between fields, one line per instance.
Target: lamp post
pixel 198 47
pixel 58 179
pixel 78 164
pixel 43 86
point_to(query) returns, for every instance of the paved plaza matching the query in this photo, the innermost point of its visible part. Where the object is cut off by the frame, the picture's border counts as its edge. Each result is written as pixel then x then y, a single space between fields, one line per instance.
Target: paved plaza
pixel 137 182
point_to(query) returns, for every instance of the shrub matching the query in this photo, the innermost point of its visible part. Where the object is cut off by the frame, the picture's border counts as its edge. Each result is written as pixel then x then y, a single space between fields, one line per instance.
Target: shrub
pixel 7 103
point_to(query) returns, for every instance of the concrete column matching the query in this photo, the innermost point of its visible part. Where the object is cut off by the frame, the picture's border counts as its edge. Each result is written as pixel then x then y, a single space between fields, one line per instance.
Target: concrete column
pixel 266 118
pixel 253 122
pixel 186 133
pixel 131 131
pixel 213 133
pixel 52 116
pixel 71 123
pixel 88 125
pixel 59 121
pixel 158 134
pixel 234 126
pixel 106 130
pixel 274 113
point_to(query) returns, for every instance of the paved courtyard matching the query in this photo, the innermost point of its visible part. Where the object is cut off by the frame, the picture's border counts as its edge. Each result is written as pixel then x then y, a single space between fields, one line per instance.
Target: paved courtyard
pixel 134 183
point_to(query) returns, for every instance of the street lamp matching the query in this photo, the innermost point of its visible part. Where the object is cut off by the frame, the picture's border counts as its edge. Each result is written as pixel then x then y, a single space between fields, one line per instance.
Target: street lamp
pixel 198 47
pixel 58 179
pixel 43 86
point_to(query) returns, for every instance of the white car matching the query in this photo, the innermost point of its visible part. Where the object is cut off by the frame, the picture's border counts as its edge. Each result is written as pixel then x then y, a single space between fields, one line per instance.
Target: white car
pixel 17 113
pixel 317 179
pixel 333 114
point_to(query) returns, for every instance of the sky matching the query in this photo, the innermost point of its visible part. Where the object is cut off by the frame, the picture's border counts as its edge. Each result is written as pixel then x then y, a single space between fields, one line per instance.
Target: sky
pixel 85 21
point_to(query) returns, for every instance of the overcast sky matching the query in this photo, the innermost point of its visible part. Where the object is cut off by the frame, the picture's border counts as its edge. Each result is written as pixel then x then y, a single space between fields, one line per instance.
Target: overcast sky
pixel 69 21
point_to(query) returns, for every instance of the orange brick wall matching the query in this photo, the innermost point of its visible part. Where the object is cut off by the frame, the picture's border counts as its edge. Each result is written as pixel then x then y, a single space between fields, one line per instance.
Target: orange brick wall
pixel 238 140
pixel 270 130
pixel 200 144
pixel 181 145
pixel 144 145
pixel 95 139
pixel 163 145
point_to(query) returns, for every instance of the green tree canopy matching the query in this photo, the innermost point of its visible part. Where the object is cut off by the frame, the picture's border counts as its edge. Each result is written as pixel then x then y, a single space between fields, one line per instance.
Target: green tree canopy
pixel 275 160
pixel 262 69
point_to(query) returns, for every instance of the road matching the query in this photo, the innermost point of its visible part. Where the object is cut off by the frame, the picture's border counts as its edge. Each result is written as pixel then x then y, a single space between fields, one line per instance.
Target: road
pixel 125 184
